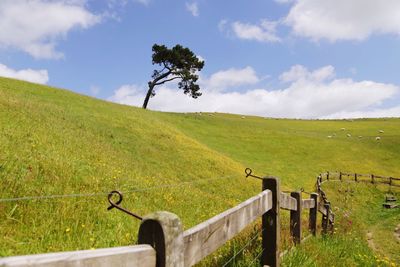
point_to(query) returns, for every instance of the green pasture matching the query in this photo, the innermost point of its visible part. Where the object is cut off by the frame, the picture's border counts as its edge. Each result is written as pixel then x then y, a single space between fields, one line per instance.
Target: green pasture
pixel 55 142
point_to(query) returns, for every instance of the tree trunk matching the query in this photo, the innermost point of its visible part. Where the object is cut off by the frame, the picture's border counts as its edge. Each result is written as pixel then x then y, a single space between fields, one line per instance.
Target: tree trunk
pixel 148 95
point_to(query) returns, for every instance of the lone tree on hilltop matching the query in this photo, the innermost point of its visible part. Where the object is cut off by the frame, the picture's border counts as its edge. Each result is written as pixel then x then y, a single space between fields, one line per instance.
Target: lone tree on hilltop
pixel 176 63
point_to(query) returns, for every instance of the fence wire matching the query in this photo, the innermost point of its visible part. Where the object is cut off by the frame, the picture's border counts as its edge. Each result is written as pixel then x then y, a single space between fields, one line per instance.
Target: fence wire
pixel 243 248
pixel 43 197
pixel 257 257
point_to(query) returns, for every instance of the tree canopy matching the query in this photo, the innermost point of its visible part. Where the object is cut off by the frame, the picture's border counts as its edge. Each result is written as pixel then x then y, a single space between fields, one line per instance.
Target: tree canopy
pixel 177 63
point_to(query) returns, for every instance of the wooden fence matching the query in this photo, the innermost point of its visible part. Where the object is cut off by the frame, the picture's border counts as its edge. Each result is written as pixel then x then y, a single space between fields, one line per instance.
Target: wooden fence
pixel 358 177
pixel 163 243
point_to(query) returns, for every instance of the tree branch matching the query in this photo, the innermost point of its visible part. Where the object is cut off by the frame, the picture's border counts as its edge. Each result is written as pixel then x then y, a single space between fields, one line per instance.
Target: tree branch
pixel 168 80
pixel 154 82
pixel 166 67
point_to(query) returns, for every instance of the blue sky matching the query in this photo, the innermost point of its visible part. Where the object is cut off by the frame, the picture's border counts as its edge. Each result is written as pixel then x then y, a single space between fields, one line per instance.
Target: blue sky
pixel 276 58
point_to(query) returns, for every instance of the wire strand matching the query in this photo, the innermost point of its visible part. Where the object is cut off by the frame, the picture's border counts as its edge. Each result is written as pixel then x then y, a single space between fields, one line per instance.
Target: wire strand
pixel 43 197
pixel 243 248
pixel 257 257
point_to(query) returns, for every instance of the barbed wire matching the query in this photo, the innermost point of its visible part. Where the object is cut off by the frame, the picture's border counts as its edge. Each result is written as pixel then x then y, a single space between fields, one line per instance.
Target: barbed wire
pixel 43 197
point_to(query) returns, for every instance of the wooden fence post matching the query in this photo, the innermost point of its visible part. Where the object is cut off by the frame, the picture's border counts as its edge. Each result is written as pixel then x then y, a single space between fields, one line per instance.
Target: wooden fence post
pixel 295 219
pixel 355 177
pixel 327 175
pixel 163 231
pixel 325 218
pixel 312 226
pixel 270 225
pixel 340 176
pixel 372 178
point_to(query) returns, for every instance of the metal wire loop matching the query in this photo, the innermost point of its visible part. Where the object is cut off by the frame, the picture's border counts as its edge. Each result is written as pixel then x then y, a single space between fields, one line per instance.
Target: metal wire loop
pixel 249 173
pixel 116 204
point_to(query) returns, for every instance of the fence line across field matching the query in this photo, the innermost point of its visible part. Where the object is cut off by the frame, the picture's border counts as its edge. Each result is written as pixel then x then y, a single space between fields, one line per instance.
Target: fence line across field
pixel 358 177
pixel 163 242
pixel 171 246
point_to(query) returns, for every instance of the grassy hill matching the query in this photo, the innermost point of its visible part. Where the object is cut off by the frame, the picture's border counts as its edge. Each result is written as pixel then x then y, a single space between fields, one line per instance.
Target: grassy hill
pixel 55 142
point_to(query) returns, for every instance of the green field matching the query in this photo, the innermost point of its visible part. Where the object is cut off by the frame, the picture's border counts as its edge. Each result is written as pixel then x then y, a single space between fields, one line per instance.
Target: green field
pixel 55 142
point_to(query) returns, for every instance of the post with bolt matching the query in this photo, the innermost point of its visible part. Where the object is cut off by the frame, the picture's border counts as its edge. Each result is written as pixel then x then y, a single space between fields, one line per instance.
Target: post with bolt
pixel 270 225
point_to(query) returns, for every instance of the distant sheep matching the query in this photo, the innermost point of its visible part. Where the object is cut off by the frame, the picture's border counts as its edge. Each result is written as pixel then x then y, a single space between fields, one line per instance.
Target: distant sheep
pixel 360 136
pixel 348 135
pixel 329 136
pixel 377 138
pixel 381 131
pixel 343 129
pixel 243 117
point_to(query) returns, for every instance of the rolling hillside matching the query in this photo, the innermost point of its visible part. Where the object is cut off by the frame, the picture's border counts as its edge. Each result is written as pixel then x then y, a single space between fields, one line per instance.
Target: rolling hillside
pixel 76 149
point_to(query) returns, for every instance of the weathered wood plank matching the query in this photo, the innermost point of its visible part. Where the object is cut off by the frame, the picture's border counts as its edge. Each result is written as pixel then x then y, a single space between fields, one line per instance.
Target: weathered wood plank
pixel 205 238
pixel 287 202
pixel 164 232
pixel 308 203
pixel 131 256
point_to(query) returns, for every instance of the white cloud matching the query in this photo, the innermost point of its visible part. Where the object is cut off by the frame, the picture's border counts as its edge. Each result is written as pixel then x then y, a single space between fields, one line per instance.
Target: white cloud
pixel 35 76
pixel 344 20
pixel 129 95
pixel 299 72
pixel 193 8
pixel 311 94
pixel 264 32
pixel 230 78
pixel 34 26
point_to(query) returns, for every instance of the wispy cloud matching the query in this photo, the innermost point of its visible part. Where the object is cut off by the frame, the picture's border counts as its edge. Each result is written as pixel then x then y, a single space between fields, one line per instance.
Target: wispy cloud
pixel 193 8
pixel 264 32
pixel 229 78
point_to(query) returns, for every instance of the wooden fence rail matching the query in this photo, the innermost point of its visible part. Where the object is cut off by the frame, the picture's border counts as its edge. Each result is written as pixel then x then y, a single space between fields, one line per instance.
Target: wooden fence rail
pixel 205 238
pixel 140 255
pixel 163 243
